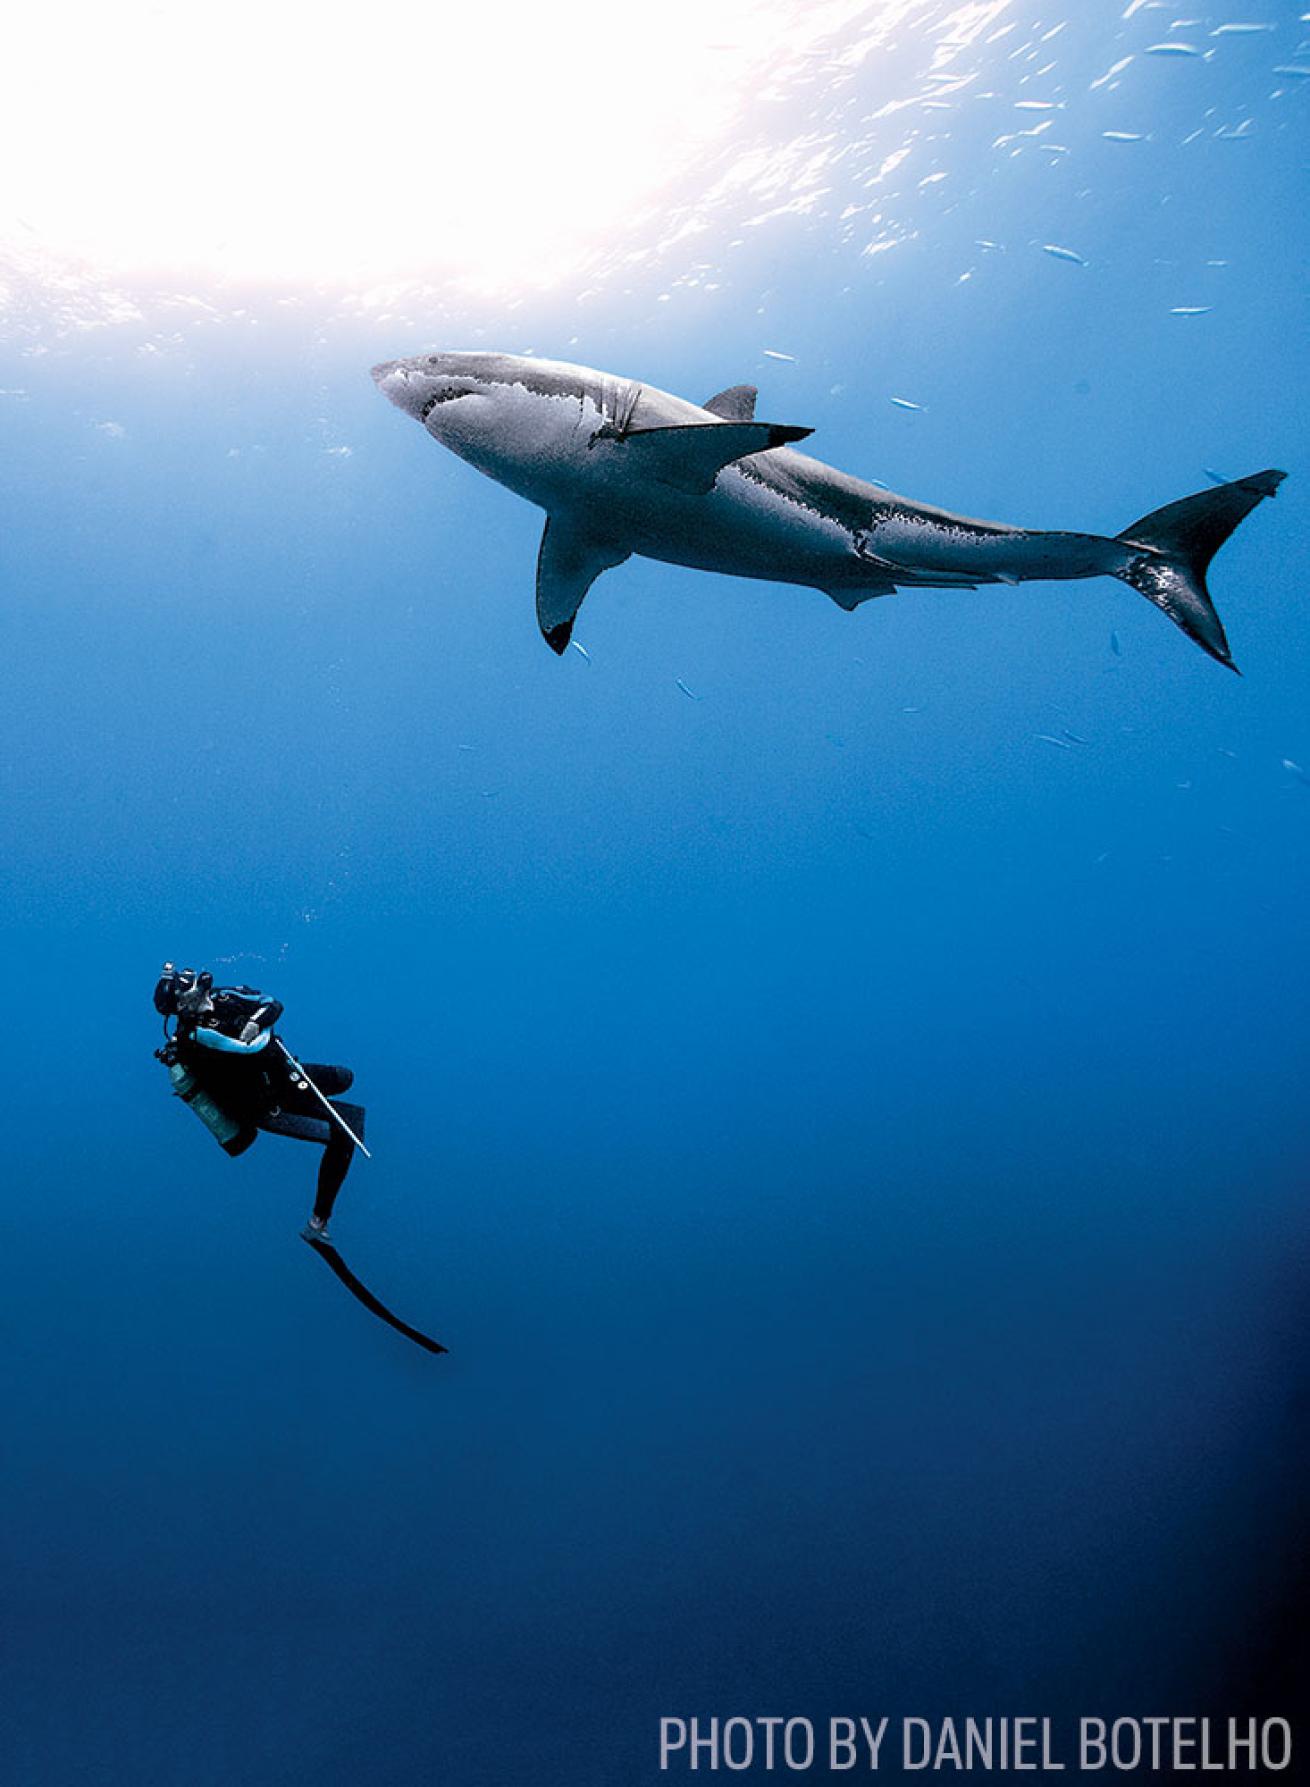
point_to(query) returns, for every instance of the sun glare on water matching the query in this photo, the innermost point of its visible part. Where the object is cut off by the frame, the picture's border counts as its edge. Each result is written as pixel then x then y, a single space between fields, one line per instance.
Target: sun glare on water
pixel 487 143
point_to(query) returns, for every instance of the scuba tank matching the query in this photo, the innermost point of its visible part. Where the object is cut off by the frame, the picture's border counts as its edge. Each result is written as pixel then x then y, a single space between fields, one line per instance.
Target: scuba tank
pixel 225 1129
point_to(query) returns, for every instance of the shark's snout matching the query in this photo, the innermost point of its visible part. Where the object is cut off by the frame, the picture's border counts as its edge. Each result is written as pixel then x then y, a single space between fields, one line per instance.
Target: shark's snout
pixel 409 384
pixel 392 378
pixel 419 384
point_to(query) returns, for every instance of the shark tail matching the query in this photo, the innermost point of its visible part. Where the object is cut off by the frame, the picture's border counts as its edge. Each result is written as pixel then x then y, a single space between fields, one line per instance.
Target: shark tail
pixel 1177 544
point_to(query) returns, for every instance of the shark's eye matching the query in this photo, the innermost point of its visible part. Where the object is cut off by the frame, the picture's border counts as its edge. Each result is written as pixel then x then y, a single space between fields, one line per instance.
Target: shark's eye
pixel 440 397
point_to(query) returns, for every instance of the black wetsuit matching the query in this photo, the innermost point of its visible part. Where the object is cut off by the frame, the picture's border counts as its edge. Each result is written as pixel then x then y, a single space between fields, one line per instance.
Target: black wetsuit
pixel 256 1090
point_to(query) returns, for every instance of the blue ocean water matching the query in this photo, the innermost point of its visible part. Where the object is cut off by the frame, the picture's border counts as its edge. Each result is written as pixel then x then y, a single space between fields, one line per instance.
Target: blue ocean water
pixel 836 1083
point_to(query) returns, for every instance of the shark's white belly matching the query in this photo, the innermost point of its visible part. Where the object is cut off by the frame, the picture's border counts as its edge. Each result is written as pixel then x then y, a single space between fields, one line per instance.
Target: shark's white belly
pixel 555 452
pixel 744 527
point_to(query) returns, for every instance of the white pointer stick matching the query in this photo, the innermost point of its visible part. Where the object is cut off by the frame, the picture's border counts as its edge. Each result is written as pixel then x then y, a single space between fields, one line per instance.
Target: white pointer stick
pixel 327 1105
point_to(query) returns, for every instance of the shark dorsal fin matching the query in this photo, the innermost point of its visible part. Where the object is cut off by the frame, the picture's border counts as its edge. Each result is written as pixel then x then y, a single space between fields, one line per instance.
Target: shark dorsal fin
pixel 691 458
pixel 736 404
pixel 569 562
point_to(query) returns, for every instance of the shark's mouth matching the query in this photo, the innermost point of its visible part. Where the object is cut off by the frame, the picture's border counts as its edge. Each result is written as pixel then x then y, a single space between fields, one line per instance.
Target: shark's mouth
pixel 440 397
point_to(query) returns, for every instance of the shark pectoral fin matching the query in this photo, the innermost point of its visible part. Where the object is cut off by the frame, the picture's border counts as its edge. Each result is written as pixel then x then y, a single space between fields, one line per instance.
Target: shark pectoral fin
pixel 569 562
pixel 736 404
pixel 691 458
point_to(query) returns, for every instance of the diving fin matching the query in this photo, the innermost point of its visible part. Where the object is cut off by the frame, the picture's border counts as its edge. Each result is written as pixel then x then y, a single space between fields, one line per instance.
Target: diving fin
pixel 691 458
pixel 334 1262
pixel 736 404
pixel 569 562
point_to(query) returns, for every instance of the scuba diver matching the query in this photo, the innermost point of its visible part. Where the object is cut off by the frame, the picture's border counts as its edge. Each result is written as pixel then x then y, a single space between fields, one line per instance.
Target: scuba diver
pixel 229 1065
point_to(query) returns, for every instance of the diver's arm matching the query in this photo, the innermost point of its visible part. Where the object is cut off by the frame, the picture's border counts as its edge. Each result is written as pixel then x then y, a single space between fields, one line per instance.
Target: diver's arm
pixel 229 1045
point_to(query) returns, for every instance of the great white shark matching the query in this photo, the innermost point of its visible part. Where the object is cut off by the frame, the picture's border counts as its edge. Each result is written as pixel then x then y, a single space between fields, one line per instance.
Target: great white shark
pixel 621 467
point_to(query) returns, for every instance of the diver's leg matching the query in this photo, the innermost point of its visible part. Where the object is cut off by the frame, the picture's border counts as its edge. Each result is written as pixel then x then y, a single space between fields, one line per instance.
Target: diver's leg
pixel 338 1153
pixel 328 1078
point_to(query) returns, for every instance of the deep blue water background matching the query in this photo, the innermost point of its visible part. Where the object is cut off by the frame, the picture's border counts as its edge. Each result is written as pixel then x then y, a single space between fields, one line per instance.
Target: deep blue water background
pixel 854 1148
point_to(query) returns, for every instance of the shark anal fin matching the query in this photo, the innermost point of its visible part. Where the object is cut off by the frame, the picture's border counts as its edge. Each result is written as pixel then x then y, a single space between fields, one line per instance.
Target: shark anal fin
pixel 736 404
pixel 569 562
pixel 691 458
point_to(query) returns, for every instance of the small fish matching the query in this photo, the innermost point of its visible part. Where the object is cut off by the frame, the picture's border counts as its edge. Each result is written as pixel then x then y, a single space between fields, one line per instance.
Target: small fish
pixel 1214 476
pixel 1173 49
pixel 982 242
pixel 1115 646
pixel 903 403
pixel 911 710
pixel 1296 73
pixel 1114 69
pixel 1047 738
pixel 1035 105
pixel 689 693
pixel 772 353
pixel 1073 737
pixel 1225 752
pixel 1123 136
pixel 1191 309
pixel 581 650
pixel 1063 254
pixel 1296 770
pixel 1239 30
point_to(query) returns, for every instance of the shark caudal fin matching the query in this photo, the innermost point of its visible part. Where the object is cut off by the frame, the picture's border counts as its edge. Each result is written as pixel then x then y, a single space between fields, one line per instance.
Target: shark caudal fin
pixel 1178 543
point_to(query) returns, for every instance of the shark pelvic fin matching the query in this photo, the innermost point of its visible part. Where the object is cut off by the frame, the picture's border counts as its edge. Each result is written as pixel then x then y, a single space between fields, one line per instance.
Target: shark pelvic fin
pixel 736 404
pixel 569 562
pixel 691 458
pixel 850 596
